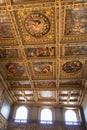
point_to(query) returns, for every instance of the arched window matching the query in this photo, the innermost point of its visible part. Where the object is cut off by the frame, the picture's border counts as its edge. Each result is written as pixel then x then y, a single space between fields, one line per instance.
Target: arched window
pixel 21 114
pixel 46 116
pixel 70 117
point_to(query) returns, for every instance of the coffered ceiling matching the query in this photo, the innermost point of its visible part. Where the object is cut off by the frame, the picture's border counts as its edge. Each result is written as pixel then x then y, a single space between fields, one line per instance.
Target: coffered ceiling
pixel 43 51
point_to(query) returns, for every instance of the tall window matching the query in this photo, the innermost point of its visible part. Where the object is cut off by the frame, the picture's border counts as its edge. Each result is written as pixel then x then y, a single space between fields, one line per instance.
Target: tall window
pixel 70 117
pixel 46 116
pixel 21 114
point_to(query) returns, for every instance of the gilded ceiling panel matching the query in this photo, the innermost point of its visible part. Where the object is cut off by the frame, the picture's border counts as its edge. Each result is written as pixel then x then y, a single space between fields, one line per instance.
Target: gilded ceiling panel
pixel 29 98
pixel 7 29
pixel 70 82
pixel 14 69
pixel 43 69
pixel 72 68
pixel 74 50
pixel 45 84
pixel 21 0
pixel 80 1
pixel 40 52
pixel 46 95
pixel 20 84
pixel 36 25
pixel 74 23
pixel 18 92
pixel 85 70
pixel 24 96
pixel 70 97
pixel 6 53
pixel 27 1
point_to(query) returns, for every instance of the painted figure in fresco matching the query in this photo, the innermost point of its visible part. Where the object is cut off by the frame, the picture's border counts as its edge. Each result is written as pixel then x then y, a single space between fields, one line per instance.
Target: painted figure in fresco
pixel 40 52
pixel 15 68
pixel 72 66
pixel 43 67
pixel 76 21
pixel 37 24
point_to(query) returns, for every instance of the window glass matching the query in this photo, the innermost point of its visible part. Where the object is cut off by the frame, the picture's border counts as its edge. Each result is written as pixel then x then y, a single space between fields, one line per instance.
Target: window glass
pixel 70 117
pixel 21 114
pixel 5 109
pixel 46 116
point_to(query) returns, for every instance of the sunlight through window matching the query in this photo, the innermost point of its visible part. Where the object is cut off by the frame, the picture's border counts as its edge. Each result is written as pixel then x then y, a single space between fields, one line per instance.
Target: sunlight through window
pixel 70 117
pixel 46 116
pixel 21 115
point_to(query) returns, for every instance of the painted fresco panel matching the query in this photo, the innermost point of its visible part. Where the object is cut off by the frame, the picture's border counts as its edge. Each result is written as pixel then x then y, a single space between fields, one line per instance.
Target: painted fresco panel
pixel 14 68
pixel 44 83
pixel 26 1
pixel 80 1
pixel 37 26
pixel 19 83
pixel 71 69
pixel 22 0
pixel 9 53
pixel 71 82
pixel 40 52
pixel 76 21
pixel 5 29
pixel 18 0
pixel 46 94
pixel 72 66
pixel 43 67
pixel 74 50
pixel 85 70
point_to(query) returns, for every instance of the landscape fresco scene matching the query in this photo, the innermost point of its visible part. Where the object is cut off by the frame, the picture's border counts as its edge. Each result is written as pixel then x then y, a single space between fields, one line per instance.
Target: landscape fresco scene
pixel 76 21
pixel 5 29
pixel 9 53
pixel 75 50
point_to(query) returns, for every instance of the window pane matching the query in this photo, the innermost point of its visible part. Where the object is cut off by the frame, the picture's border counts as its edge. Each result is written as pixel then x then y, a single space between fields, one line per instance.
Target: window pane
pixel 46 116
pixel 70 117
pixel 21 115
